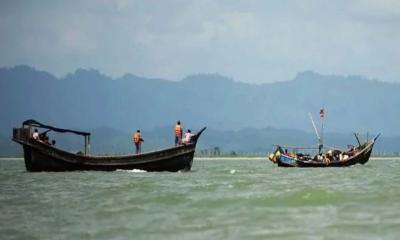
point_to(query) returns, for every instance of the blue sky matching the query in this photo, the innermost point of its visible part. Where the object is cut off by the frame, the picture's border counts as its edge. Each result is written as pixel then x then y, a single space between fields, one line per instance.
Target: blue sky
pixel 250 41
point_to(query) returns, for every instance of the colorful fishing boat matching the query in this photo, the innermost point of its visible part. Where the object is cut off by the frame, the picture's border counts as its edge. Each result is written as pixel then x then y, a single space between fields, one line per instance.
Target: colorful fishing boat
pixel 330 158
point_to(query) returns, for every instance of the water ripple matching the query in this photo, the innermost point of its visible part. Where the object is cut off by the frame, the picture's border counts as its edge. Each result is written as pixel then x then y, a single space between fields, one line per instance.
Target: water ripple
pixel 221 199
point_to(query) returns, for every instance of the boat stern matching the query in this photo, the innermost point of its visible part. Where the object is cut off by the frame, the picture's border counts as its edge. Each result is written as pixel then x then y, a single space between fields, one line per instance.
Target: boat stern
pixel 286 161
pixel 21 135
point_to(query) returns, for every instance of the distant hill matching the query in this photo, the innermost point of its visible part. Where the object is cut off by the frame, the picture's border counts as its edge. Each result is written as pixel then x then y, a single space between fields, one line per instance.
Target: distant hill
pixel 87 99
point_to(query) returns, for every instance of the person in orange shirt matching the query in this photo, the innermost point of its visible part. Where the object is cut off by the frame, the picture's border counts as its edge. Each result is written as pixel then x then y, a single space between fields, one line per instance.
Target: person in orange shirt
pixel 178 133
pixel 137 140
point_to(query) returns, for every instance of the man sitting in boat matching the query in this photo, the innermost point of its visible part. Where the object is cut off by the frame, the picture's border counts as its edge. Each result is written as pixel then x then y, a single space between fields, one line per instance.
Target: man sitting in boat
pixel 35 134
pixel 333 155
pixel 43 137
pixel 343 157
pixel 188 137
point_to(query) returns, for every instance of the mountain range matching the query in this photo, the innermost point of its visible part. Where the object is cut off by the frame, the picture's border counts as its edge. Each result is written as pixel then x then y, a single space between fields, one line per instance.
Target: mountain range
pixel 90 100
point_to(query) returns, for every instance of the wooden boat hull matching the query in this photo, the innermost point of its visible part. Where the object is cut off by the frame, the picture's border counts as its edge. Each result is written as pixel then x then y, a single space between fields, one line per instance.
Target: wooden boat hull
pixel 39 156
pixel 360 158
pixel 286 161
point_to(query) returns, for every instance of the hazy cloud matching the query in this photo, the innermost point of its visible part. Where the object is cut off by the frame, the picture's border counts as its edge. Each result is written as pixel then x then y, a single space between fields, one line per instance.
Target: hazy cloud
pixel 252 41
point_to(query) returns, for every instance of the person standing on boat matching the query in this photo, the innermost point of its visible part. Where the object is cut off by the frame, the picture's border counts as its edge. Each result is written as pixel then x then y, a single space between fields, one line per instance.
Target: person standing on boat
pixel 178 133
pixel 137 140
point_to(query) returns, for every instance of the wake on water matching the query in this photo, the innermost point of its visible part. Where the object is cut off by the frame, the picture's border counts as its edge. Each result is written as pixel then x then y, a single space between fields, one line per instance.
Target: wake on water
pixel 131 171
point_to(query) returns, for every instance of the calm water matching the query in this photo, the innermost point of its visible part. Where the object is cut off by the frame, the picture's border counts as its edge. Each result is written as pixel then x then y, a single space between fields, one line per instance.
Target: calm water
pixel 219 199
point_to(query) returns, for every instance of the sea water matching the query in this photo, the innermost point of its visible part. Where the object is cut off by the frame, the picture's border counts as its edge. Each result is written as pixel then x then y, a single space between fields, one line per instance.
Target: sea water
pixel 218 199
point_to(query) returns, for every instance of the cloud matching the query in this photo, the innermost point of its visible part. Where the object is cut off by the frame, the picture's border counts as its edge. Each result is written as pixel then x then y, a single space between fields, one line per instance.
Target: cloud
pixel 251 41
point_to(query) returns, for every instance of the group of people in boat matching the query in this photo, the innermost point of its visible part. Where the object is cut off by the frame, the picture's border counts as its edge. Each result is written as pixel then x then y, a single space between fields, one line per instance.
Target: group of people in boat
pixel 330 156
pixel 180 139
pixel 42 137
pixel 335 155
pixel 137 138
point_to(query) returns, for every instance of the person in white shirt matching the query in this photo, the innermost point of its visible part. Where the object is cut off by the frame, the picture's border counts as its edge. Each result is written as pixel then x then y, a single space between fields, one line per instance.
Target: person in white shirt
pixel 188 136
pixel 35 135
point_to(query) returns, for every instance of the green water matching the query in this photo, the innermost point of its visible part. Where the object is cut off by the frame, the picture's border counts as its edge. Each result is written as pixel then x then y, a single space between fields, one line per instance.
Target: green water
pixel 219 199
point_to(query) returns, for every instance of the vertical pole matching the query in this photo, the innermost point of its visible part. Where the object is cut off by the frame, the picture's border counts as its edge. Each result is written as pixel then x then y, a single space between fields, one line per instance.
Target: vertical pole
pixel 322 116
pixel 322 131
pixel 89 144
pixel 357 138
pixel 85 145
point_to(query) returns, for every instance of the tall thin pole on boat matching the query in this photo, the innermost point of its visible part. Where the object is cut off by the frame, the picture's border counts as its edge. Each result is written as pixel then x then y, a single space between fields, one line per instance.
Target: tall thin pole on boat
pixel 86 145
pixel 322 116
pixel 358 139
pixel 320 146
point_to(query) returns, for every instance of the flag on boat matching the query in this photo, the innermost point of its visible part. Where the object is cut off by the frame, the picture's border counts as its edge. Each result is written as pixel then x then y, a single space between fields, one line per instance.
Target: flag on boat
pixel 321 112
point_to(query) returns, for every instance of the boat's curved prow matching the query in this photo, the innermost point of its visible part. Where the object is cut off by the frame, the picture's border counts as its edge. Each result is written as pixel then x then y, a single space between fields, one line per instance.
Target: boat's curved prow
pixel 366 154
pixel 197 135
pixel 376 137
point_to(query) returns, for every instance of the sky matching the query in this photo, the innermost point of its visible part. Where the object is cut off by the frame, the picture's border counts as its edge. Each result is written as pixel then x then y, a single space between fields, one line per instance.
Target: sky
pixel 250 41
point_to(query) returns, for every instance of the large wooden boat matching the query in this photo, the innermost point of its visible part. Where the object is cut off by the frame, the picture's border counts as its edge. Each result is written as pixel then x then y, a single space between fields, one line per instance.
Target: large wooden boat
pixel 331 158
pixel 41 156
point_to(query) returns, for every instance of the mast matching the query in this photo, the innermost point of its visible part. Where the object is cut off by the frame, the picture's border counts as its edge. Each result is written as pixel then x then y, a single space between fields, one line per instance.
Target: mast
pixel 86 145
pixel 358 139
pixel 322 116
pixel 320 143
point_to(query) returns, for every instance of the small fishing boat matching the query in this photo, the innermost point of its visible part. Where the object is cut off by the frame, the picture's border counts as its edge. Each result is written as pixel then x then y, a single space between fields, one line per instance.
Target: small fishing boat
pixel 330 158
pixel 41 156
